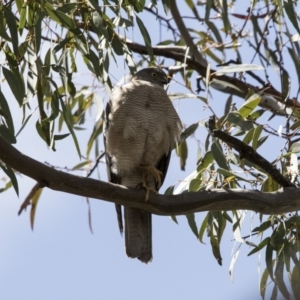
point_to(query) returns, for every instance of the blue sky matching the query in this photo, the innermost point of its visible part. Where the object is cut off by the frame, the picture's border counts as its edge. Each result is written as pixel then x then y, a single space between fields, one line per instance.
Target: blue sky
pixel 62 259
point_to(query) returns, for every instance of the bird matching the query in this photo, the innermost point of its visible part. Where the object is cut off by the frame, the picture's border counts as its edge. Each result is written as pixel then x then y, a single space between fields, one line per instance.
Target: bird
pixel 141 128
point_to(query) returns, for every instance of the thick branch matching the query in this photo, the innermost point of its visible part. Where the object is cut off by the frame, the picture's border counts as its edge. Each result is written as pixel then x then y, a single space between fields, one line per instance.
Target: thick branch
pixel 242 87
pixel 250 154
pixel 266 203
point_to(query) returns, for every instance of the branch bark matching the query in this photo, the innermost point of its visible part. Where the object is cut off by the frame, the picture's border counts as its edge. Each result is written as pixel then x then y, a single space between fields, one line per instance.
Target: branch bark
pixel 241 89
pixel 279 202
pixel 270 97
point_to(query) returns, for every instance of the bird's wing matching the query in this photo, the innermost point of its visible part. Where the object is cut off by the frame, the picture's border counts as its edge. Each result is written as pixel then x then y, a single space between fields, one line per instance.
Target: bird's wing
pixel 113 178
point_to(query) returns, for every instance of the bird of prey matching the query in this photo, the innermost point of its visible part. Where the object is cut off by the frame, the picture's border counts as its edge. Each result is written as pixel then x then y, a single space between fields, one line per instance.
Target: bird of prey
pixel 141 129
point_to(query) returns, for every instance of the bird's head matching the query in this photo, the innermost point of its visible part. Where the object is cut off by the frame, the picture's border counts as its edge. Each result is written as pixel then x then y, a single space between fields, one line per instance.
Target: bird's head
pixel 153 75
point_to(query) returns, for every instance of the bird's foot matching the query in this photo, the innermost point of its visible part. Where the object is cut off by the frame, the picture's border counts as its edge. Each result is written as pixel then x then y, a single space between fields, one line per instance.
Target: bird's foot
pixel 150 173
pixel 148 189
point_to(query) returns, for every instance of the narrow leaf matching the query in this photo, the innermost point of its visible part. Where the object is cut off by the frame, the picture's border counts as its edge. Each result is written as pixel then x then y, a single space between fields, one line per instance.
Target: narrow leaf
pixel 16 84
pixel 261 245
pixel 248 107
pixel 34 202
pixel 218 155
pixel 192 223
pixel 203 228
pixel 12 176
pixel 70 126
pixel 145 35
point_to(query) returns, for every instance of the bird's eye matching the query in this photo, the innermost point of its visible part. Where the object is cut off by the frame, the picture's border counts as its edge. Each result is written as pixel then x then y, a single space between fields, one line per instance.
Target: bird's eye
pixel 154 74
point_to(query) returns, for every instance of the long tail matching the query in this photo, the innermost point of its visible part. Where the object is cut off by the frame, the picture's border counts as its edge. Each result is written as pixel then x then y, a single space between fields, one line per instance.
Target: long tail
pixel 138 234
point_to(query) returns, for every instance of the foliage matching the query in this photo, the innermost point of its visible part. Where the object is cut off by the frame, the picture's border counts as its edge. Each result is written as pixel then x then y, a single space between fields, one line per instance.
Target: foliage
pixel 44 43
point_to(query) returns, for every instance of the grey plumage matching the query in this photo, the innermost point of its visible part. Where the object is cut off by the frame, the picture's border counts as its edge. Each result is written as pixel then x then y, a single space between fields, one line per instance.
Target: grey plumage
pixel 141 129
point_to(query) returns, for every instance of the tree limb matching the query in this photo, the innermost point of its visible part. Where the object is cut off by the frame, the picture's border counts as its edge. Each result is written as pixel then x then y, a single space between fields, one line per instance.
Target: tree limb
pixel 242 87
pixel 220 199
pixel 249 153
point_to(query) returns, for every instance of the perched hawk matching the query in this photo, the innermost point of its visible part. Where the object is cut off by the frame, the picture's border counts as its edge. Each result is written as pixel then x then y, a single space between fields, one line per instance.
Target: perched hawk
pixel 140 131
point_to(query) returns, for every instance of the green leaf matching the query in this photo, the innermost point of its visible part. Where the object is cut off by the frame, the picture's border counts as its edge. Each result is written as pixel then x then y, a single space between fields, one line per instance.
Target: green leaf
pixel 296 125
pixel 234 117
pixel 279 276
pixel 7 134
pixel 287 257
pixel 93 58
pixel 59 17
pixel 203 228
pixel 32 75
pixel 256 136
pixel 214 30
pixel 256 114
pixel 22 21
pixel 295 277
pixel 12 26
pixel 145 35
pixel 216 249
pixel 34 202
pixel 248 107
pixel 67 119
pixel 269 185
pixel 192 223
pixel 189 131
pixel 12 176
pixel 249 136
pixel 195 185
pixel 218 155
pixel 269 260
pixel 137 4
pixel 3 32
pixel 225 16
pixel 262 140
pixel 82 164
pixel 58 137
pixel 228 174
pixel 174 219
pixel 263 283
pixel 263 226
pixel 221 224
pixel 295 148
pixel 285 83
pixel 16 84
pixel 6 187
pixel 261 245
pixel 24 123
pixel 98 129
pixel 117 45
pixel 169 191
pixel 290 11
pixel 182 152
pixel 5 112
pixel 98 25
pixel 278 237
pixel 227 217
pixel 205 161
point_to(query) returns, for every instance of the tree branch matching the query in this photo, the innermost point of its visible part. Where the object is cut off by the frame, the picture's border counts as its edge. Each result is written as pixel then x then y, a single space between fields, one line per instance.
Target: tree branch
pixel 249 153
pixel 222 83
pixel 220 199
pixel 242 87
